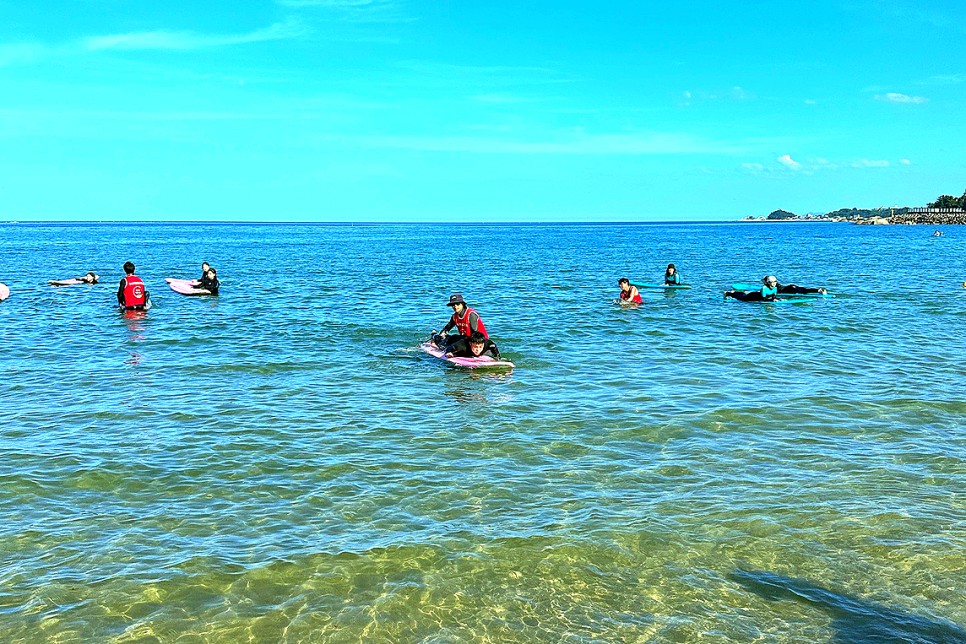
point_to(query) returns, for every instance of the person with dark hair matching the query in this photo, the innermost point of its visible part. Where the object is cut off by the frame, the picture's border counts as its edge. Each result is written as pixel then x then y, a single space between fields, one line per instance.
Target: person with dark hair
pixel 475 346
pixel 131 294
pixel 204 271
pixel 466 320
pixel 209 281
pixel 671 275
pixel 89 278
pixel 768 292
pixel 629 293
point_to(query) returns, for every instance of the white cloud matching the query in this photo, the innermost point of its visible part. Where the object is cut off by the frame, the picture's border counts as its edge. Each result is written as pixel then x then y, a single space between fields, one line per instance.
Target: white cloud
pixel 871 163
pixel 947 79
pixel 787 161
pixel 895 97
pixel 186 40
pixel 905 161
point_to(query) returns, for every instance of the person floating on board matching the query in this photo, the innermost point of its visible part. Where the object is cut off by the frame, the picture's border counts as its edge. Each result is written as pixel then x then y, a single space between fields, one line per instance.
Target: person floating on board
pixel 768 292
pixel 466 320
pixel 131 294
pixel 671 275
pixel 89 278
pixel 794 289
pixel 629 293
pixel 209 281
pixel 475 346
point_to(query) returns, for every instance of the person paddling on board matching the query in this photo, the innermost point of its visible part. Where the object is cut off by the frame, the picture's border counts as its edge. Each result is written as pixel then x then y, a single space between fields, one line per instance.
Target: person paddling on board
pixel 671 275
pixel 131 294
pixel 768 292
pixel 475 346
pixel 209 281
pixel 466 320
pixel 90 278
pixel 795 289
pixel 629 293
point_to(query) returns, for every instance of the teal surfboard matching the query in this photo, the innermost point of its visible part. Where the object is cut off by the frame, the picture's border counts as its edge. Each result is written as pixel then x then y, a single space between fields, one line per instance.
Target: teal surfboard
pixel 664 286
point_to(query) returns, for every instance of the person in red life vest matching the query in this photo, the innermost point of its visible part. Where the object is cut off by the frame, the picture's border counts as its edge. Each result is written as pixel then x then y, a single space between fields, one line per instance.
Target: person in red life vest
pixel 131 294
pixel 466 320
pixel 629 293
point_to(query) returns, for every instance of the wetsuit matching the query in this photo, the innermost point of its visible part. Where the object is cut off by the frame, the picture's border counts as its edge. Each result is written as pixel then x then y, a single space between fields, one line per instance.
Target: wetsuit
pixel 766 294
pixel 461 349
pixel 794 289
pixel 208 284
pixel 672 279
pixel 131 294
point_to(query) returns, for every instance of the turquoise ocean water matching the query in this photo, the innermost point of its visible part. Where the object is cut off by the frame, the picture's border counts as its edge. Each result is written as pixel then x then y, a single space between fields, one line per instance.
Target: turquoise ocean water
pixel 283 464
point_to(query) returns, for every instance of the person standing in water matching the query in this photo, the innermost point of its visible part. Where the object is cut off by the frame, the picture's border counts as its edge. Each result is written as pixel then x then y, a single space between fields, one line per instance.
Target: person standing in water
pixel 209 281
pixel 629 293
pixel 466 320
pixel 131 294
pixel 671 275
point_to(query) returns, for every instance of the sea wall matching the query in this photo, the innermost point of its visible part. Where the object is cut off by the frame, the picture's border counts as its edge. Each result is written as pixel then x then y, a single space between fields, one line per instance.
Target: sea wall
pixel 931 217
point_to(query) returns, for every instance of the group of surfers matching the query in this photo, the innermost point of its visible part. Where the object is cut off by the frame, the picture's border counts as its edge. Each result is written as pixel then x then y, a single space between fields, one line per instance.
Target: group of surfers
pixel 769 291
pixel 131 292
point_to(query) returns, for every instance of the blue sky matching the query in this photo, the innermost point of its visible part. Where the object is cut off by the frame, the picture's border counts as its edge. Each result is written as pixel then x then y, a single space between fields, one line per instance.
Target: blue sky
pixel 390 110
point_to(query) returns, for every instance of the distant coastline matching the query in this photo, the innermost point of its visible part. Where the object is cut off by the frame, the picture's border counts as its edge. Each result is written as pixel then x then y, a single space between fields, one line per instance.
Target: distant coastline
pixel 930 216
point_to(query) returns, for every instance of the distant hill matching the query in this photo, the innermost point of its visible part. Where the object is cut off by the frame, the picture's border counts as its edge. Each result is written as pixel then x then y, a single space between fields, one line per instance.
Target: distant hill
pixel 781 214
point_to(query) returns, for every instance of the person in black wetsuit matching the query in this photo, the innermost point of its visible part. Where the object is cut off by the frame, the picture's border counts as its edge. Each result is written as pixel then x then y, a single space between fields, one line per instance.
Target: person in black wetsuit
pixel 473 347
pixel 768 292
pixel 90 278
pixel 209 281
pixel 795 289
pixel 204 270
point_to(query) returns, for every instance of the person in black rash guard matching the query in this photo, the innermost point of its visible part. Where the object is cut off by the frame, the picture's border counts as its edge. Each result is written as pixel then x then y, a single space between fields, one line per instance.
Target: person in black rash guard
pixel 209 281
pixel 768 292
pixel 90 278
pixel 475 346
pixel 204 271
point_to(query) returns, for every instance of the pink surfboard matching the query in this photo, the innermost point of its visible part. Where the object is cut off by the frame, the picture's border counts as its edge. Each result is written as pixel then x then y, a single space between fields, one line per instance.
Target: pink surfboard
pixel 185 287
pixel 4 292
pixel 482 362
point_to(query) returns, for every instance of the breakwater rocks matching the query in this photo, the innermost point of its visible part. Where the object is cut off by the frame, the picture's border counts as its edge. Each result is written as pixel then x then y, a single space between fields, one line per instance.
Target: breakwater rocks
pixel 931 216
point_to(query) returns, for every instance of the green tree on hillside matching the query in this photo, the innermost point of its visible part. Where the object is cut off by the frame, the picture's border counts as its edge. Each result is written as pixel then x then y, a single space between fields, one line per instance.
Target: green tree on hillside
pixel 949 201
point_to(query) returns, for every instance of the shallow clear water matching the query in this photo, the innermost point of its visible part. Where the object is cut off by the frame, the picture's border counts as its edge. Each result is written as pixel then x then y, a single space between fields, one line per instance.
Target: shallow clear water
pixel 283 464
